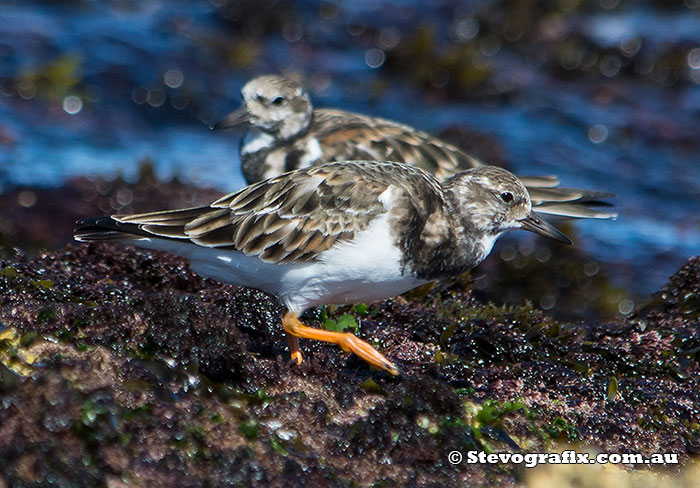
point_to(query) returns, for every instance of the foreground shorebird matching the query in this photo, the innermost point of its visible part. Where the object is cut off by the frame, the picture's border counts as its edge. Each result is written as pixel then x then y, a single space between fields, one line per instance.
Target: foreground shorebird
pixel 345 232
pixel 285 132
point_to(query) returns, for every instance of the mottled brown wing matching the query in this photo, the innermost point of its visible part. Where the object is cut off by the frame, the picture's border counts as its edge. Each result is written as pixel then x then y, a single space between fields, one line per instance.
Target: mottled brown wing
pixel 348 136
pixel 290 218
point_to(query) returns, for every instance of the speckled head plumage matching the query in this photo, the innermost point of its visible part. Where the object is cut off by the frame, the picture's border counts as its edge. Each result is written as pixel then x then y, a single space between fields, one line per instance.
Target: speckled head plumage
pixel 491 200
pixel 273 104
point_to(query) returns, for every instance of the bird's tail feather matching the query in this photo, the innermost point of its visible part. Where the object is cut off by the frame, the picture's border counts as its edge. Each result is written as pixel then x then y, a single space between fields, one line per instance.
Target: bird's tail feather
pixel 575 211
pixel 571 202
pixel 105 229
pixel 166 224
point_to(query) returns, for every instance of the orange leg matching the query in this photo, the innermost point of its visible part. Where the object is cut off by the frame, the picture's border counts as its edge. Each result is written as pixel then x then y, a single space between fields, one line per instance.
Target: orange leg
pixel 294 349
pixel 347 342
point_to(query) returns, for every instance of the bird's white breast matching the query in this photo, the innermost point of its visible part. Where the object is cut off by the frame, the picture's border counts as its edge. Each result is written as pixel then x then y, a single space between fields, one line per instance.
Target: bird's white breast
pixel 486 245
pixel 364 269
pixel 255 140
pixel 368 267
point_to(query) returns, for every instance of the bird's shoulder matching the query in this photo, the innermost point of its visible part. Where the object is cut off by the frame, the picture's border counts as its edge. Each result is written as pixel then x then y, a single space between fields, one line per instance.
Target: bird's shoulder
pixel 344 135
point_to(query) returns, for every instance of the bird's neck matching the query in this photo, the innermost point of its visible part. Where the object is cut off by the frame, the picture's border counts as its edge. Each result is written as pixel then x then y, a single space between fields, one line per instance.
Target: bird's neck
pixel 463 247
pixel 433 244
pixel 295 126
pixel 452 256
pixel 258 140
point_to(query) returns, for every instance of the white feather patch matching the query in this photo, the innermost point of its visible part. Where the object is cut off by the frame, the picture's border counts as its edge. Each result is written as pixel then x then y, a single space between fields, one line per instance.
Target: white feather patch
pixel 255 140
pixel 312 153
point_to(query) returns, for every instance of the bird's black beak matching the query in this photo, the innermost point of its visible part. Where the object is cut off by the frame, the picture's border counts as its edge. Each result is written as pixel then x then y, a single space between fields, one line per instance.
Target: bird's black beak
pixel 535 223
pixel 240 116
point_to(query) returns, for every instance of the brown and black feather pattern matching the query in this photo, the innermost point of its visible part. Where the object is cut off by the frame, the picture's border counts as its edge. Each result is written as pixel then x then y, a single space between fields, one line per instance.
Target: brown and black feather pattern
pixel 290 218
pixel 346 136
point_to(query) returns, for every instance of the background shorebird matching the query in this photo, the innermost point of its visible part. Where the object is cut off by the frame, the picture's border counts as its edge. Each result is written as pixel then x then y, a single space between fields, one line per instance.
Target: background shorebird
pixel 285 132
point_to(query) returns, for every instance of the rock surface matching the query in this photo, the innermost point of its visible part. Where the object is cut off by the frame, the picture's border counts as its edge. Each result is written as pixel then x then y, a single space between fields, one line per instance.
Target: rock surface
pixel 123 367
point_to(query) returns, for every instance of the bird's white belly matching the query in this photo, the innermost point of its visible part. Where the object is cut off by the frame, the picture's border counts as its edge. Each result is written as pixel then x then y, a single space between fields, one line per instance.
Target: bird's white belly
pixel 365 269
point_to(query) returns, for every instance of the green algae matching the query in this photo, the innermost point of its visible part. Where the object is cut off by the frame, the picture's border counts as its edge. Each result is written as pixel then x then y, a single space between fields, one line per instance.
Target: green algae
pixel 249 430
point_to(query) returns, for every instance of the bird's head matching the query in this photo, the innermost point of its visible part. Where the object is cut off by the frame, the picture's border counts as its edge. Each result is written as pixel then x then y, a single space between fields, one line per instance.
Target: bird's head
pixel 273 104
pixel 490 200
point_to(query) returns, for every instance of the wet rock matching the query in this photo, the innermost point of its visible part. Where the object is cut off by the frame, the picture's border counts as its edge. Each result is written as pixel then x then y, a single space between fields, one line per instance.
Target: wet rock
pixel 141 370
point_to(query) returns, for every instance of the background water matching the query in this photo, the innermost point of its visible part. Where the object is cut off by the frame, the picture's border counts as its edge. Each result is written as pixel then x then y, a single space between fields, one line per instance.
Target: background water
pixel 604 94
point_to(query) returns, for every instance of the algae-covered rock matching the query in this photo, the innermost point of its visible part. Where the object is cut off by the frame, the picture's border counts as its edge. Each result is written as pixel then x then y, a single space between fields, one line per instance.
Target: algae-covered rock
pixel 136 371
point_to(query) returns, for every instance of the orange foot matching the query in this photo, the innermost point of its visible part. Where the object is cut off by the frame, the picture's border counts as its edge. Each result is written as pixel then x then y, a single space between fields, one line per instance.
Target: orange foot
pixel 347 341
pixel 294 349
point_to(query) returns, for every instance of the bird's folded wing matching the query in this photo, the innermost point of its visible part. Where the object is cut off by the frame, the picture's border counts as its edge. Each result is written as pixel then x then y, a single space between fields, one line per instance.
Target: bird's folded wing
pixel 348 136
pixel 282 220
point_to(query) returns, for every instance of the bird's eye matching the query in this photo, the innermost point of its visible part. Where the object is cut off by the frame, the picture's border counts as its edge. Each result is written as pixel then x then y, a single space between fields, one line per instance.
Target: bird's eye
pixel 507 196
pixel 278 101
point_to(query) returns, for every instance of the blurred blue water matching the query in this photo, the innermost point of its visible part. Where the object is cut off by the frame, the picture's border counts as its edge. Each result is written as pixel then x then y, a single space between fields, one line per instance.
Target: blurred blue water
pixel 129 112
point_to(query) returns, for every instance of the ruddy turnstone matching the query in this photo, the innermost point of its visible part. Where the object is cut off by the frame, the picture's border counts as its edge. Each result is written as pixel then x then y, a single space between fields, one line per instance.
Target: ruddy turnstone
pixel 344 232
pixel 285 132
